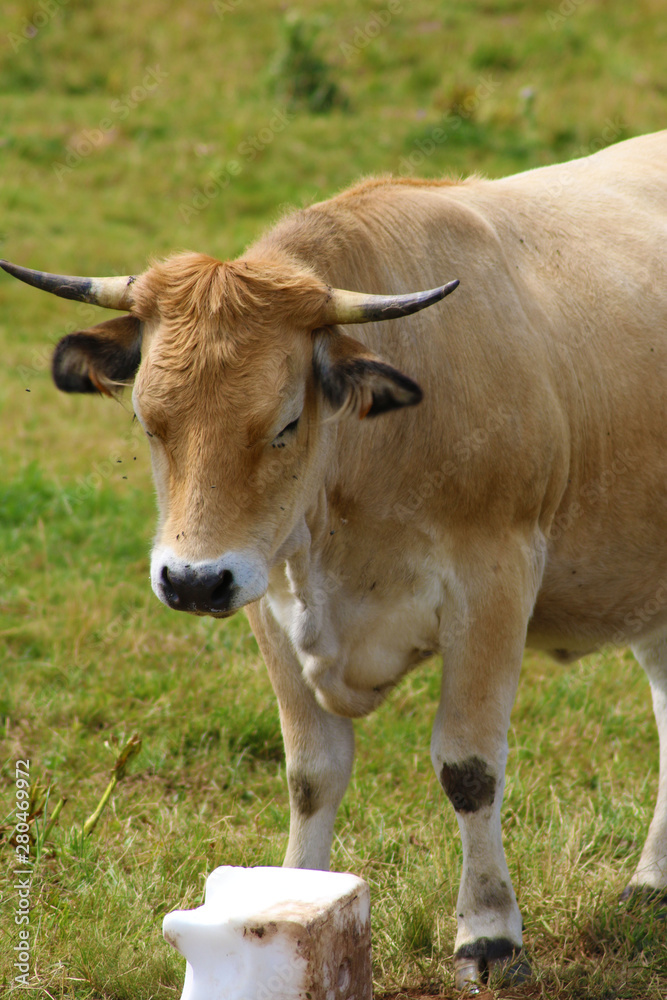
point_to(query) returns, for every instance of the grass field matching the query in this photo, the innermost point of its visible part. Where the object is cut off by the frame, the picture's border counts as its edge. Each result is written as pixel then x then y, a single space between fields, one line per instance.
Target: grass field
pixel 130 130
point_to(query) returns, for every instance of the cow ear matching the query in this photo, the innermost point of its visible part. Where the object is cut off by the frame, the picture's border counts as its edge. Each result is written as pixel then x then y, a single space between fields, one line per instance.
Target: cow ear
pixel 101 359
pixel 354 380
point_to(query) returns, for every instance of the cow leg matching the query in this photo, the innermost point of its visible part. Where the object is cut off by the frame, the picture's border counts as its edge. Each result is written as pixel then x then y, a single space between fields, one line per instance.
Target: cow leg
pixel 650 876
pixel 319 748
pixel 492 601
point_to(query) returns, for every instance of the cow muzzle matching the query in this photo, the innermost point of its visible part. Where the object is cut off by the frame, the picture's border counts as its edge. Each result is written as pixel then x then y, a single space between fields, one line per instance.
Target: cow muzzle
pixel 217 587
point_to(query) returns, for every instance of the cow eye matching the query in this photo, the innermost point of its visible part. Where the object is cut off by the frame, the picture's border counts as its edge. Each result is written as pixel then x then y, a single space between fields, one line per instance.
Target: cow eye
pixel 278 441
pixel 290 427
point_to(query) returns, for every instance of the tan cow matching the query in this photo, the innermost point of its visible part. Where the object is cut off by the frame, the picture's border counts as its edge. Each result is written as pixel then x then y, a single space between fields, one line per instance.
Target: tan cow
pixel 523 500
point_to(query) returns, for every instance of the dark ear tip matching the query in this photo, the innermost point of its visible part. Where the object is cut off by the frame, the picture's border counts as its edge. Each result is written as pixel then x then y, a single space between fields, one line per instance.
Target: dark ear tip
pixel 399 391
pixel 74 383
pixel 96 360
pixel 67 378
pixel 68 368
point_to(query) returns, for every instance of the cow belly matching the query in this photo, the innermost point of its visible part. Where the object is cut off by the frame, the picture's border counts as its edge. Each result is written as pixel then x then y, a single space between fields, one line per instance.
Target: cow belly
pixel 354 649
pixel 571 622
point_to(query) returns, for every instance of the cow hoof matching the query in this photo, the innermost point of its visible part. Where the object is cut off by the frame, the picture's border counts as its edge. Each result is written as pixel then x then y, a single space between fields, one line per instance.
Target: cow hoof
pixel 510 971
pixel 472 972
pixel 469 975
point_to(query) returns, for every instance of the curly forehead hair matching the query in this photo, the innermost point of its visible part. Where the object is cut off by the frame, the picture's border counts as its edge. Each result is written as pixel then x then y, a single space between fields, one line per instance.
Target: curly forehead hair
pixel 264 292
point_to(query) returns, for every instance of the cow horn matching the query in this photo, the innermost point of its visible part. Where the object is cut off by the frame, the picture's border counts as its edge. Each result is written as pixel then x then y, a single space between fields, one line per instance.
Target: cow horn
pixel 356 307
pixel 112 293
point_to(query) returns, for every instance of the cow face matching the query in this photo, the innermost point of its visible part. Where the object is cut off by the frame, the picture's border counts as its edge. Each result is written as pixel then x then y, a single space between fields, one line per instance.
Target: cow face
pixel 241 376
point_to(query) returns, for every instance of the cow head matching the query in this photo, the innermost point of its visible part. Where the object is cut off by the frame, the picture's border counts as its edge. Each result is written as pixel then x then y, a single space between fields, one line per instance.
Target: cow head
pixel 240 373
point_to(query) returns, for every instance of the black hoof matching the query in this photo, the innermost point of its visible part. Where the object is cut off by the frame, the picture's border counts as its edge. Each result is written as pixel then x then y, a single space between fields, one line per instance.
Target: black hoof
pixel 510 972
pixel 468 975
pixel 486 961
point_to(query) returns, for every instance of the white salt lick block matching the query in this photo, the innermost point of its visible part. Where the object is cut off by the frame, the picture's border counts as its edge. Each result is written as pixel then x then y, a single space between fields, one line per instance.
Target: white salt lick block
pixel 276 934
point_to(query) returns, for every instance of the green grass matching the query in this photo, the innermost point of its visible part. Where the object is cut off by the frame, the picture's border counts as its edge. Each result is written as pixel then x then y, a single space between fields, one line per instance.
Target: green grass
pixel 88 655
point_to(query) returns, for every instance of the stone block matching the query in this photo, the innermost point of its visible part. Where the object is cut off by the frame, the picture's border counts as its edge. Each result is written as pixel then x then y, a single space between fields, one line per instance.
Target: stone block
pixel 276 934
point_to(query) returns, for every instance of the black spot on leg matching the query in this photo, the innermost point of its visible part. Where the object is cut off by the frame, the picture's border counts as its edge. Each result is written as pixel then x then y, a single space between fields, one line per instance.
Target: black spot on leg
pixel 469 785
pixel 492 894
pixel 303 794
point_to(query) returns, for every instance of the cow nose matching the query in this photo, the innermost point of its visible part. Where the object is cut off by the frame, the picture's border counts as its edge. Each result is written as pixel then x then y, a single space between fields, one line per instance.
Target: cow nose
pixel 190 589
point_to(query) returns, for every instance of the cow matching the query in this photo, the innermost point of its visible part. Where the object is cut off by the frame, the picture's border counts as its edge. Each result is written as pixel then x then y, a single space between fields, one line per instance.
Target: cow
pixel 460 478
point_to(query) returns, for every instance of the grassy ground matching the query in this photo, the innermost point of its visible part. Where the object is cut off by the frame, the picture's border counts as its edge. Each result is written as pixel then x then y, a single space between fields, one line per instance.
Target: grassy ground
pixel 133 129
